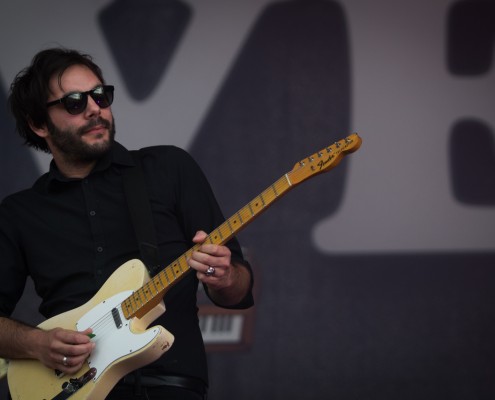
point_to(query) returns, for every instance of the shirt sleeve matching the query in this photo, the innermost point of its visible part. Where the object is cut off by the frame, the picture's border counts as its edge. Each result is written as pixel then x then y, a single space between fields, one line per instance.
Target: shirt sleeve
pixel 12 267
pixel 196 205
pixel 202 206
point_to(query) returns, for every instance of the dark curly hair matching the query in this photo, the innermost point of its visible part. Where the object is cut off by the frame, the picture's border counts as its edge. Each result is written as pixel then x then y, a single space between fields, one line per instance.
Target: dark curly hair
pixel 29 91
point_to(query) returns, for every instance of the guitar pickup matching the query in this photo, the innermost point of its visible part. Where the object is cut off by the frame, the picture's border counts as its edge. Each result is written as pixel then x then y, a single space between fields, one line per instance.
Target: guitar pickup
pixel 116 318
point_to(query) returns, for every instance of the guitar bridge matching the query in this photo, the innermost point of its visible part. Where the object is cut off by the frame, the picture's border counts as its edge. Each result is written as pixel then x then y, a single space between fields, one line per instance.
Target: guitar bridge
pixel 74 384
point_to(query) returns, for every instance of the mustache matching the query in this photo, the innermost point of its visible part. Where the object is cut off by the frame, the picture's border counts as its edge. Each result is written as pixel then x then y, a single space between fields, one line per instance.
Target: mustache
pixel 95 122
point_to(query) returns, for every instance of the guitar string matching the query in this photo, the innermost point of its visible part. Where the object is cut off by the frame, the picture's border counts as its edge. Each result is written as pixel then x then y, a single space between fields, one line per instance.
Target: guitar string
pixel 103 325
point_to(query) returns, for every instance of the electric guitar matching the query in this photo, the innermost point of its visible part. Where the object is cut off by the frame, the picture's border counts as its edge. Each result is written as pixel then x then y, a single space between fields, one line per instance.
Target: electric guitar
pixel 129 301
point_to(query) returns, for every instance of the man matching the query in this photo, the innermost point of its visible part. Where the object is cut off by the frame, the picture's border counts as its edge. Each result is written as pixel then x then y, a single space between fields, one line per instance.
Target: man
pixel 73 229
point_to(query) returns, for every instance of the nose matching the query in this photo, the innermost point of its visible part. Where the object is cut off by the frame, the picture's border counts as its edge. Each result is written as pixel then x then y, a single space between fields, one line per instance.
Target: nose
pixel 92 109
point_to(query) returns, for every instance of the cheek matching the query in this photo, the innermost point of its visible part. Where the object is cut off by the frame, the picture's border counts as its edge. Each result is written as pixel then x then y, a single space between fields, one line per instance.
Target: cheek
pixel 106 113
pixel 60 118
pixel 66 122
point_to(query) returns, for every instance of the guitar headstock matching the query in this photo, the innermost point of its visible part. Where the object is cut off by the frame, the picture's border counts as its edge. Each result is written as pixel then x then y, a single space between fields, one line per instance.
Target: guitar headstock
pixel 325 159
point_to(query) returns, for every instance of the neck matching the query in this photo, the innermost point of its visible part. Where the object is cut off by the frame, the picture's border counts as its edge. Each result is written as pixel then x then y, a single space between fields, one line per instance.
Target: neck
pixel 73 168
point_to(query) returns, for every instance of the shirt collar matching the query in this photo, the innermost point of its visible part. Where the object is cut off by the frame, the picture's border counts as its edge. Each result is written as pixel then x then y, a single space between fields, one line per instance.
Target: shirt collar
pixel 118 155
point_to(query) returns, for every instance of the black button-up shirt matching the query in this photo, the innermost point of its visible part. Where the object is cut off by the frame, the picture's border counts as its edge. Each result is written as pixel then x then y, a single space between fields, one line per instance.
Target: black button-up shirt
pixel 69 235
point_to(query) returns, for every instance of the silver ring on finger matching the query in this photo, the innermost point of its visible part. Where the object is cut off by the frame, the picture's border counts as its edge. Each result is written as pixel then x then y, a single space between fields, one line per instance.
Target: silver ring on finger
pixel 210 271
pixel 65 361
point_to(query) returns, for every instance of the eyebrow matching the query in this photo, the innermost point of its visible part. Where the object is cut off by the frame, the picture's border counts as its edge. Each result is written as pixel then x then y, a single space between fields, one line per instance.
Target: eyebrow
pixel 64 94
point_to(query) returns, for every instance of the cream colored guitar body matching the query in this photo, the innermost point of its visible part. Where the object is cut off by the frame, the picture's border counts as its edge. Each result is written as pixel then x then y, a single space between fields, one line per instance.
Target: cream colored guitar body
pixel 122 345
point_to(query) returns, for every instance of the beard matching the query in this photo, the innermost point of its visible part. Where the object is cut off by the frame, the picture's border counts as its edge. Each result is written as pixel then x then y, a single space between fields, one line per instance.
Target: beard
pixel 70 143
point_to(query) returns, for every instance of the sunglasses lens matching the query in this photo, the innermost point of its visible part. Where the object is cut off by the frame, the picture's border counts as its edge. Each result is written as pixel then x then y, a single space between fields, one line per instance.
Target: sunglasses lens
pixel 103 96
pixel 75 103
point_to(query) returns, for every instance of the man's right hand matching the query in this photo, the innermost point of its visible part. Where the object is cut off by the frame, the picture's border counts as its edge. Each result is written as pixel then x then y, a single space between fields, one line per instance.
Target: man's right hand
pixel 63 349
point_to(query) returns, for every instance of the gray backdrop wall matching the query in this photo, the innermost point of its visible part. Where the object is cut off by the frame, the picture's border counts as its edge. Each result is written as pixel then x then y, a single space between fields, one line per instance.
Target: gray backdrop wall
pixel 374 281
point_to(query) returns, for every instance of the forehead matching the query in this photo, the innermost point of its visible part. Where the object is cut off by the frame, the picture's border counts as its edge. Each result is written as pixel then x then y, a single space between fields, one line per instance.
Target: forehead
pixel 76 78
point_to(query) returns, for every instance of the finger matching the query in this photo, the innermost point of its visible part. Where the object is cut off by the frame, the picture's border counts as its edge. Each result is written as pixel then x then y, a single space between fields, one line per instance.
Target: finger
pixel 199 237
pixel 74 361
pixel 210 271
pixel 200 261
pixel 72 337
pixel 196 265
pixel 71 368
pixel 79 350
pixel 80 337
pixel 214 250
pixel 205 278
pixel 210 254
pixel 73 349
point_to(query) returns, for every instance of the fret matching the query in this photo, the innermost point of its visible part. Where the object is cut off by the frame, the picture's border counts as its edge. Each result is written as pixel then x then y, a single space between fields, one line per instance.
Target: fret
pixel 262 199
pixel 230 226
pixel 153 286
pixel 176 269
pixel 145 290
pixel 226 232
pixel 251 209
pixel 214 236
pixel 164 274
pixel 133 303
pixel 283 182
pixel 187 255
pixel 240 217
pixel 158 283
pixel 183 261
pixel 246 214
pixel 274 190
pixel 128 308
pixel 137 299
pixel 256 204
pixel 180 261
pixel 142 296
pixel 234 224
pixel 269 197
pixel 170 275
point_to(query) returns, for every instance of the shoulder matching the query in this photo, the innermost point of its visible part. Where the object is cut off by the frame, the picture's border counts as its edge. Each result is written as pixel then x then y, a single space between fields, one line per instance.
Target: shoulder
pixel 166 156
pixel 169 151
pixel 21 197
pixel 13 207
pixel 26 200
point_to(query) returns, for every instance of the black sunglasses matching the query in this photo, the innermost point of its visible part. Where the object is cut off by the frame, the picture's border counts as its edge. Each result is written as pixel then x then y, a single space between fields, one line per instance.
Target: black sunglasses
pixel 76 102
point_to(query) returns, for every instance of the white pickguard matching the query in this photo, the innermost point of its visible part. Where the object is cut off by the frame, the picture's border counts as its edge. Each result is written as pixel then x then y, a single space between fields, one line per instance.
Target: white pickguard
pixel 112 343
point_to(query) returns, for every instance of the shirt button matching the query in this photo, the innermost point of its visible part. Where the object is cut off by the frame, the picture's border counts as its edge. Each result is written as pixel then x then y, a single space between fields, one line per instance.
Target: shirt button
pixel 92 213
pixel 99 249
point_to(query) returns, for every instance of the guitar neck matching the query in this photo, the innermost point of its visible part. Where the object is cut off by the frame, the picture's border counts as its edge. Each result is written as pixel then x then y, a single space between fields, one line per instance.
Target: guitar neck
pixel 148 296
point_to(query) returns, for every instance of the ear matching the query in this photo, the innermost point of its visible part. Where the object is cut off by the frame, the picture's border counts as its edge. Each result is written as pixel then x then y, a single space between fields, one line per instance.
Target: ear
pixel 41 131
